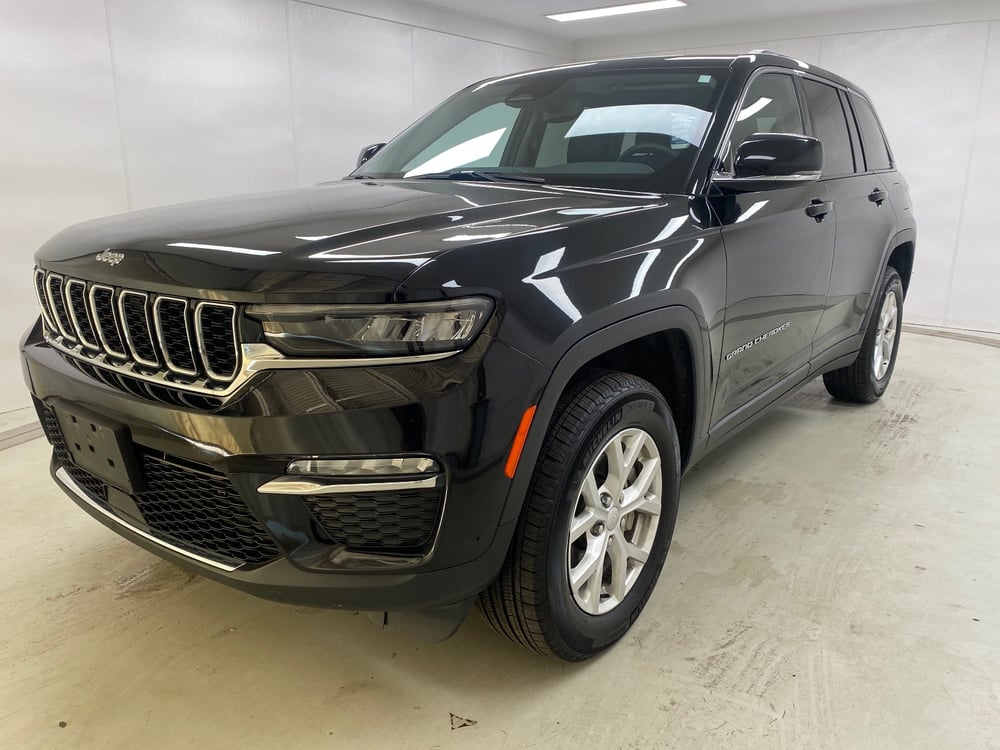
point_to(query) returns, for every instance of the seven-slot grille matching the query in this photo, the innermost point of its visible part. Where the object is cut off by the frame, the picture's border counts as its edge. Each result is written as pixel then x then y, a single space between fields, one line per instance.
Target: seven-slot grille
pixel 180 342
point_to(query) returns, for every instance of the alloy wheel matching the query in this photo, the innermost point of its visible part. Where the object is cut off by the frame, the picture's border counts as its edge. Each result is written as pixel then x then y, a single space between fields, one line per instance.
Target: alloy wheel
pixel 885 336
pixel 614 521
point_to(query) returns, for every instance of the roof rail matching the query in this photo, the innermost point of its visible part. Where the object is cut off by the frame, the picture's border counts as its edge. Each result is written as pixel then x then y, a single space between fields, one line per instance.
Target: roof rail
pixel 768 52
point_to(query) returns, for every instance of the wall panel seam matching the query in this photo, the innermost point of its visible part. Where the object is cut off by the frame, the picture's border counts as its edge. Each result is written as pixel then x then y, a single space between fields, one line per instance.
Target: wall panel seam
pixel 430 28
pixel 291 93
pixel 960 234
pixel 118 110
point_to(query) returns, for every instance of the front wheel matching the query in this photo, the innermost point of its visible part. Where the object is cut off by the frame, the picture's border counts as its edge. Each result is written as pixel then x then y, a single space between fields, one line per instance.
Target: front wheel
pixel 867 378
pixel 597 522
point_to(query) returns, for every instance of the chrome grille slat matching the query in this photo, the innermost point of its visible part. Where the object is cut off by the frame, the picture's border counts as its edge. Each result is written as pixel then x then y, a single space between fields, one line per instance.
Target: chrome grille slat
pixel 76 304
pixel 150 345
pixel 57 303
pixel 133 307
pixel 42 296
pixel 105 312
pixel 220 362
pixel 174 334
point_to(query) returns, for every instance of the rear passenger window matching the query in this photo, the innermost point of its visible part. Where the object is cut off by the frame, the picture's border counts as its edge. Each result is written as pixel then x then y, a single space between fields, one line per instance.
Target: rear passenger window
pixel 830 126
pixel 770 106
pixel 876 151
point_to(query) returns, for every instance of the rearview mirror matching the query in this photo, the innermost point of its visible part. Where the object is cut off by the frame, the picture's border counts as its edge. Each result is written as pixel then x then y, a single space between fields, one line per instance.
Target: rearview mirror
pixel 767 161
pixel 368 152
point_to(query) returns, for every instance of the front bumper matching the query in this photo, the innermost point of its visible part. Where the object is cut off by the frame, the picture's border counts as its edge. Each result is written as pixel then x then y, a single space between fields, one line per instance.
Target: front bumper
pixel 462 412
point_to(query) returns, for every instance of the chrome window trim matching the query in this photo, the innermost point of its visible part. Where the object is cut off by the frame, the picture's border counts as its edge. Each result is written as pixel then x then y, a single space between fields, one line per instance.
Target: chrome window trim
pixel 199 332
pixel 78 329
pixel 122 354
pixel 799 74
pixel 734 115
pixel 41 296
pixel 158 326
pixel 128 334
pixel 67 481
pixel 49 278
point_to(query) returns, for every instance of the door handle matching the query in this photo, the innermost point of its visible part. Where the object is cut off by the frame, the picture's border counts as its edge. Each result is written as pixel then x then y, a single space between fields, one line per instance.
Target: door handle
pixel 878 196
pixel 819 208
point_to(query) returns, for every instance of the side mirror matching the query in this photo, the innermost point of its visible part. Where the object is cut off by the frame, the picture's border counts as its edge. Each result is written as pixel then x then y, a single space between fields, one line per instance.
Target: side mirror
pixel 368 152
pixel 768 161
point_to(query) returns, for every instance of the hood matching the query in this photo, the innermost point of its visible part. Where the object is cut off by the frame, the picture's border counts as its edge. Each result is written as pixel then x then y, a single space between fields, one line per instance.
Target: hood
pixel 353 238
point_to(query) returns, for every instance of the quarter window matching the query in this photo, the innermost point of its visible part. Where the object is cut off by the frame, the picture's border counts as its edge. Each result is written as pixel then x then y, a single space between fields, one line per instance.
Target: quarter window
pixel 872 138
pixel 769 106
pixel 830 126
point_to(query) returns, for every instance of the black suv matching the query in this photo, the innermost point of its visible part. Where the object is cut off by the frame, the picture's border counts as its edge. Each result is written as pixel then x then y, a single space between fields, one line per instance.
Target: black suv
pixel 479 365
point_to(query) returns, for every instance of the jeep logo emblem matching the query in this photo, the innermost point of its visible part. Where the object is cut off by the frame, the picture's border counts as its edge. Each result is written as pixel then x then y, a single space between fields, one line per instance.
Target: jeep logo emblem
pixel 110 257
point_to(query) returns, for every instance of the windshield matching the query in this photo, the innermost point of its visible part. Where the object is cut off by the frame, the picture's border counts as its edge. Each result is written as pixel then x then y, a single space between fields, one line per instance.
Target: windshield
pixel 619 129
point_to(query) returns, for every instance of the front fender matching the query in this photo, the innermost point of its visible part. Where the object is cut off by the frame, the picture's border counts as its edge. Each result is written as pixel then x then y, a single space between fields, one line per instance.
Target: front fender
pixel 615 334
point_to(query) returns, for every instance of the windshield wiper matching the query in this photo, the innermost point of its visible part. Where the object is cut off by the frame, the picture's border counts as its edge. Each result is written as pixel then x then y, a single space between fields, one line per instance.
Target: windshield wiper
pixel 475 174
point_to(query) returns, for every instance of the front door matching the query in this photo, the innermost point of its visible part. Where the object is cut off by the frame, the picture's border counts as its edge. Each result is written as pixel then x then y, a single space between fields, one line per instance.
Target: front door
pixel 778 263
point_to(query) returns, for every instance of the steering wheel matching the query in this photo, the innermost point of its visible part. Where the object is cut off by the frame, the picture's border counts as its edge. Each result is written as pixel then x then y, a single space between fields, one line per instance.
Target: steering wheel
pixel 644 150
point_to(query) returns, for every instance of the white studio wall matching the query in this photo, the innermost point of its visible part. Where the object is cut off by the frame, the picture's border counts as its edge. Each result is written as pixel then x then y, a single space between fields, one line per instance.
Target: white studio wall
pixel 936 85
pixel 113 105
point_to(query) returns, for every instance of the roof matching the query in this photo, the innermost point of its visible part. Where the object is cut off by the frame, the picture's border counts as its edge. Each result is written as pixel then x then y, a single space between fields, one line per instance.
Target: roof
pixel 754 59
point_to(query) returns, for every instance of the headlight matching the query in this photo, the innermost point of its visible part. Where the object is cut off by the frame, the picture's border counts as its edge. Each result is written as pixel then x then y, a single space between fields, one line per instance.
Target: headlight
pixel 373 330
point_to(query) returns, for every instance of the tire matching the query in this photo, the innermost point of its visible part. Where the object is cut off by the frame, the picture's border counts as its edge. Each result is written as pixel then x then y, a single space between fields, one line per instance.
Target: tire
pixel 865 380
pixel 531 602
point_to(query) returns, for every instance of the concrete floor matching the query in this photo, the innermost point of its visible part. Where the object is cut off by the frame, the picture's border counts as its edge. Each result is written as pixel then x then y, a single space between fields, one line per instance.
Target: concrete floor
pixel 834 582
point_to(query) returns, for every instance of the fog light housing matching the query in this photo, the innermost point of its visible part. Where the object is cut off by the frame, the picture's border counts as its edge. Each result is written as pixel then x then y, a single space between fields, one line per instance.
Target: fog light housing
pixel 365 467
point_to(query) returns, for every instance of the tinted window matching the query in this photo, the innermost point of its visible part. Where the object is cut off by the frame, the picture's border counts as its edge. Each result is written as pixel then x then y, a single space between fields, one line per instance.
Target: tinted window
pixel 876 151
pixel 830 126
pixel 769 106
pixel 626 129
pixel 476 141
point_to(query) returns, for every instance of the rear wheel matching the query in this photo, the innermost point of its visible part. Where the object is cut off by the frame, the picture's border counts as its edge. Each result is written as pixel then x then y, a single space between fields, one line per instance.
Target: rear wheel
pixel 597 522
pixel 867 378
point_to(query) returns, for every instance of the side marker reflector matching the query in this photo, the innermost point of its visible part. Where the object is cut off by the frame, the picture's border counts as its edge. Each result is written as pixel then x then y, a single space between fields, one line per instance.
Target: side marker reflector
pixel 519 438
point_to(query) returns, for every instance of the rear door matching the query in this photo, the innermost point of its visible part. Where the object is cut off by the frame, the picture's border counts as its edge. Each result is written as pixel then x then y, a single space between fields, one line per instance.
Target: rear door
pixel 865 217
pixel 778 261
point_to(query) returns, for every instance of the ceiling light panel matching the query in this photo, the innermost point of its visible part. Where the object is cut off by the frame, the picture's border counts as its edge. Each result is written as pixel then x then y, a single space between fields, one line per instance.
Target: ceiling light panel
pixel 616 10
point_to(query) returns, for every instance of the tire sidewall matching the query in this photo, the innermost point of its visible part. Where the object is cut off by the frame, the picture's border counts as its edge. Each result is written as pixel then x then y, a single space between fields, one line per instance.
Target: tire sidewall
pixel 580 631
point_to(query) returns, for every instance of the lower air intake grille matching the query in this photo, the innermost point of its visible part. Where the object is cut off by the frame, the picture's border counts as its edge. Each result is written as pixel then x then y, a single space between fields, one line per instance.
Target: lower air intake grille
pixel 194 509
pixel 202 511
pixel 401 522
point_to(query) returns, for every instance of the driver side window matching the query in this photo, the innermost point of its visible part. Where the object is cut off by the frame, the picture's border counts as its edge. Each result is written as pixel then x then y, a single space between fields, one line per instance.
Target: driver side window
pixel 769 106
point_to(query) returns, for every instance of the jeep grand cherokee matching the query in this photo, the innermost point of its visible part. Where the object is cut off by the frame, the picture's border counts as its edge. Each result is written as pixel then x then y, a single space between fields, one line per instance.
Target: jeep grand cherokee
pixel 479 365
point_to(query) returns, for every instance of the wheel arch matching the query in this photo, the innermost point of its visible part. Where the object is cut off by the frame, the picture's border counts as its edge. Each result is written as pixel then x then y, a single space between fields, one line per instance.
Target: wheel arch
pixel 622 346
pixel 901 249
pixel 901 258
